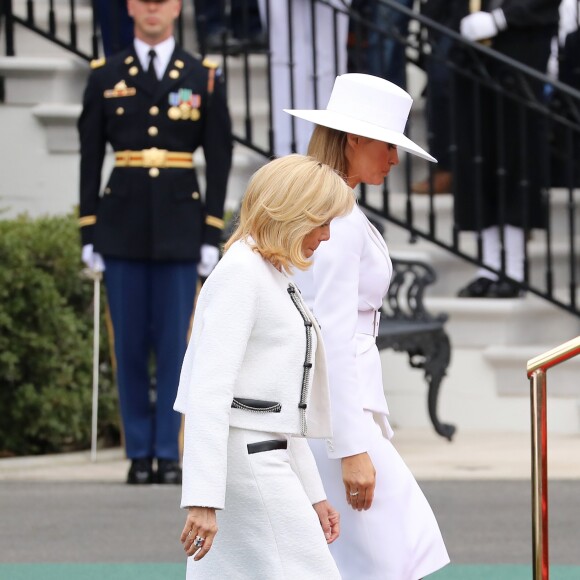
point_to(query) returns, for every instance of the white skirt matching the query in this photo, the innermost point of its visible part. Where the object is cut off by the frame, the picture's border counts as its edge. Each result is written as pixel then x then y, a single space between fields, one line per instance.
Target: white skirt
pixel 268 529
pixel 398 537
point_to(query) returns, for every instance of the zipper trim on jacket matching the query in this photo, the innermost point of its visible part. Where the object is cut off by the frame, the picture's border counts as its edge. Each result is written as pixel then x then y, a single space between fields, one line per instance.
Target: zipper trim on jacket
pixel 307 358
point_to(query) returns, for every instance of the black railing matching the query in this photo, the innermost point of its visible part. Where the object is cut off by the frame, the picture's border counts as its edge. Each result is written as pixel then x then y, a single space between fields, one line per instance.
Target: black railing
pixel 547 110
pixel 526 93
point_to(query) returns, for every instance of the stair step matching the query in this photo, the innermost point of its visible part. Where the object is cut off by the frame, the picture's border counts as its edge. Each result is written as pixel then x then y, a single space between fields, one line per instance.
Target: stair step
pixel 60 123
pixel 509 365
pixel 34 80
pixel 474 394
pixel 454 272
pixel 479 322
pixel 560 209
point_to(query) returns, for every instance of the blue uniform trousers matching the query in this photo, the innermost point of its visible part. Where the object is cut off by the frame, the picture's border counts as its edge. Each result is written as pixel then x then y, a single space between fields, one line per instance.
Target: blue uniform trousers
pixel 151 304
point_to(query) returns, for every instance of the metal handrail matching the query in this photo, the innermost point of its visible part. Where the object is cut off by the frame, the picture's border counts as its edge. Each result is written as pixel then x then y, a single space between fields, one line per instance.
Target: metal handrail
pixel 537 370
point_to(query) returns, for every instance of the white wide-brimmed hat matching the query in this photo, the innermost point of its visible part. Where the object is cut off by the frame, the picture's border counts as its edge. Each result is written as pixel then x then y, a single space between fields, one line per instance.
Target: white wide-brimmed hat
pixel 368 106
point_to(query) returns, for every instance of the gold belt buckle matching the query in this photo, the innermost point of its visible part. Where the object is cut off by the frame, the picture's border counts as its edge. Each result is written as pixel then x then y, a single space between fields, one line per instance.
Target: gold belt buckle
pixel 154 157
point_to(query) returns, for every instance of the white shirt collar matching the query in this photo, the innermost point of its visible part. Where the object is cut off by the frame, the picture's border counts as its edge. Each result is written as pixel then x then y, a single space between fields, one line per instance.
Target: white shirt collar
pixel 163 51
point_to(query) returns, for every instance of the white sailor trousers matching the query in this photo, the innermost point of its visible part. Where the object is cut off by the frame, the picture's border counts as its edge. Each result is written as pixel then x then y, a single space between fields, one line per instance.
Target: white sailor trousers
pixel 268 529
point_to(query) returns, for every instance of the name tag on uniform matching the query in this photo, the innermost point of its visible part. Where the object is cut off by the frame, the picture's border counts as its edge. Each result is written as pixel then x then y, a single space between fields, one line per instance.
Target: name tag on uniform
pixel 120 90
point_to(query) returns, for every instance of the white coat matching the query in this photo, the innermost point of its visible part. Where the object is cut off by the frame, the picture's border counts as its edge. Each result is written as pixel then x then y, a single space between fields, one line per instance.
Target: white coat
pixel 248 343
pixel 398 537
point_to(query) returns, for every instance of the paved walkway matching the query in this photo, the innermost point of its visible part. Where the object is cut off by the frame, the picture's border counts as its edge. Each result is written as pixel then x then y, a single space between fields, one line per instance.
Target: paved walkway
pixel 66 518
pixel 471 456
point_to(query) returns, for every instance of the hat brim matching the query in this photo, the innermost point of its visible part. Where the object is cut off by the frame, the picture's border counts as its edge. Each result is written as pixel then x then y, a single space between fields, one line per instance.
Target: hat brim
pixel 351 125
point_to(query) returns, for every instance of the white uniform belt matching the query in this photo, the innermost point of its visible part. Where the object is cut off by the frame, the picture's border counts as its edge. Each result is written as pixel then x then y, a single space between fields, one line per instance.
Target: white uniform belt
pixel 368 322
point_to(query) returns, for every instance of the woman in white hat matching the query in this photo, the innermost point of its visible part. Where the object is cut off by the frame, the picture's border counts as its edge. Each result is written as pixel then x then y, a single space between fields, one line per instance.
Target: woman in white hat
pixel 388 528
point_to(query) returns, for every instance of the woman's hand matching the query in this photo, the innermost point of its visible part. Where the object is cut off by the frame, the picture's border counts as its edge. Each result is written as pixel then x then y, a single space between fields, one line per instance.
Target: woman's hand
pixel 358 475
pixel 329 520
pixel 199 531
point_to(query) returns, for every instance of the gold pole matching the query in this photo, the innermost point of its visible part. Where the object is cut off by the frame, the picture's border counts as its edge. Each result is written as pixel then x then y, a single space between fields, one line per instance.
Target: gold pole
pixel 541 567
pixel 537 373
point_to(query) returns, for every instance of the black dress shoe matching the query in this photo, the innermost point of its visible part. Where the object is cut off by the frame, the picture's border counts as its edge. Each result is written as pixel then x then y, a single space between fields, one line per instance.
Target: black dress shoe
pixel 478 288
pixel 168 471
pixel 504 289
pixel 141 471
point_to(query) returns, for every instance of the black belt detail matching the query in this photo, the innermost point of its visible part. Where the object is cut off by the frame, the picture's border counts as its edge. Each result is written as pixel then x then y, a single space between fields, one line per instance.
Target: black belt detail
pixel 261 446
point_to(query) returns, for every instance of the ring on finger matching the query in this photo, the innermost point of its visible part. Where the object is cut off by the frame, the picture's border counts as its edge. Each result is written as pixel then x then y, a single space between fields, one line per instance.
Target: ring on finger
pixel 198 541
pixel 353 493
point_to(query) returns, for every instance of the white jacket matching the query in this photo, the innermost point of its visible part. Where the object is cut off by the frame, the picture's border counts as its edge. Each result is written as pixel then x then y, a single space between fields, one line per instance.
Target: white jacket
pixel 349 277
pixel 249 342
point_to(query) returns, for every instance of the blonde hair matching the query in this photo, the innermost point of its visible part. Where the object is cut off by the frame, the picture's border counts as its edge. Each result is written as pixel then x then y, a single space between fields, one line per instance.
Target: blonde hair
pixel 285 200
pixel 329 146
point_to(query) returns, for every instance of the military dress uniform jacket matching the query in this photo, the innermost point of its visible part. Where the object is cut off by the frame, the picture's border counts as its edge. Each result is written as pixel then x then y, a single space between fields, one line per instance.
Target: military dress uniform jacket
pixel 151 207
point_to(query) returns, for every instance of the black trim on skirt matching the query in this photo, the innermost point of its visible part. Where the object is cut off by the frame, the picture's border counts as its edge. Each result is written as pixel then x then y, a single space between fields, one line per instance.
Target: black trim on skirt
pixel 261 446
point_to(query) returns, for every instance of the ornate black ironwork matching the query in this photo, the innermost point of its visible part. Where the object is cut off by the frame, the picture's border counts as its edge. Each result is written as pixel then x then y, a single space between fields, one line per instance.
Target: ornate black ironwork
pixel 407 326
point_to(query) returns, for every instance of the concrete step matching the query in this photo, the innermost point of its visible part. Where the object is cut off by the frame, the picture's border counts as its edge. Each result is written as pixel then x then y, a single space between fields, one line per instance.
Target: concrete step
pixel 454 272
pixel 479 323
pixel 474 394
pixel 562 205
pixel 34 80
pixel 508 362
pixel 60 125
pixel 34 180
pixel 60 118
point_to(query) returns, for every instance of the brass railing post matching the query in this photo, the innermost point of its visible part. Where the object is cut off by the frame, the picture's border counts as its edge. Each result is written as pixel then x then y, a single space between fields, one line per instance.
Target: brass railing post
pixel 539 476
pixel 537 373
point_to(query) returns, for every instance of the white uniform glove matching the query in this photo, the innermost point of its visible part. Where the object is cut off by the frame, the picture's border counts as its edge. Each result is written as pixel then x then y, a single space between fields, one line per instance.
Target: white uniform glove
pixel 208 259
pixel 481 25
pixel 93 260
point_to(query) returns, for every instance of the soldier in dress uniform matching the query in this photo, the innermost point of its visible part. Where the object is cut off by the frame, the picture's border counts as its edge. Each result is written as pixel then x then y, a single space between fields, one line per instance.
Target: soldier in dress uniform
pixel 150 229
pixel 505 167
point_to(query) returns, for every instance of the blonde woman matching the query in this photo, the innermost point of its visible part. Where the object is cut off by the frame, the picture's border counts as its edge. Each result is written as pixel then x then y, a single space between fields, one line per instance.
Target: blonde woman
pixel 388 529
pixel 253 386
